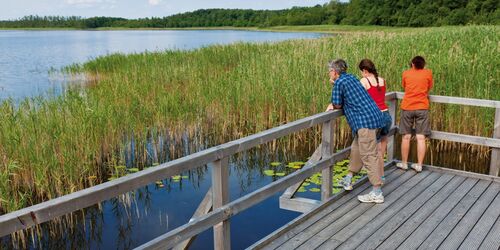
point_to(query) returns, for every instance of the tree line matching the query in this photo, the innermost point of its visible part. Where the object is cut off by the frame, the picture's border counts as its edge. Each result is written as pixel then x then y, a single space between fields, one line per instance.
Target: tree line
pixel 405 13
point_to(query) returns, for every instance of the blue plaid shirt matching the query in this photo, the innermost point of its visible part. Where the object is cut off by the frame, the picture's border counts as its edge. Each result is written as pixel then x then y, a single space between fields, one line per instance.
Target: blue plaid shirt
pixel 359 108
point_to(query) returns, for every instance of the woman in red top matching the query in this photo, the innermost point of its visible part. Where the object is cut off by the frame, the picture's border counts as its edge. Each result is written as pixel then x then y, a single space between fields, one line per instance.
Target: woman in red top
pixel 376 87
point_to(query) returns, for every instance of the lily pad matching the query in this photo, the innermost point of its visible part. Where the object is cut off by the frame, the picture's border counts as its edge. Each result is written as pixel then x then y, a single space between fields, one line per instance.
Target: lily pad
pixel 176 177
pixel 305 184
pixel 159 183
pixel 315 190
pixel 301 190
pixel 133 170
pixel 280 174
pixel 111 178
pixel 185 177
pixel 275 164
pixel 269 172
pixel 336 190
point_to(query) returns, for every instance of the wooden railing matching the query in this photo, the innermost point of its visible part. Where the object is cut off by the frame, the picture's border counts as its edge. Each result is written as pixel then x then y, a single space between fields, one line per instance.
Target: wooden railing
pixel 217 157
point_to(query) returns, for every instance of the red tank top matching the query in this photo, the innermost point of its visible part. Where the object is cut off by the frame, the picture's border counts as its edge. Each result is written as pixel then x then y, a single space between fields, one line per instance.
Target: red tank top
pixel 378 94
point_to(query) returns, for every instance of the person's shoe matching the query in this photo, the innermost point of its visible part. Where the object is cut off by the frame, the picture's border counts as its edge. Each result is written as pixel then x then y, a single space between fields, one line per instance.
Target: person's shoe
pixel 346 183
pixel 417 167
pixel 401 165
pixel 371 197
pixel 383 178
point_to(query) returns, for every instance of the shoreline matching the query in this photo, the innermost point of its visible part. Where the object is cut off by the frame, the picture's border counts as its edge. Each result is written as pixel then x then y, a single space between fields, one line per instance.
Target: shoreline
pixel 327 29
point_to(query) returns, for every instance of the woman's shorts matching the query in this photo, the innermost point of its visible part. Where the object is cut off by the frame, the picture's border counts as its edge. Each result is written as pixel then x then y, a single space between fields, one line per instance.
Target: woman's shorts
pixel 384 131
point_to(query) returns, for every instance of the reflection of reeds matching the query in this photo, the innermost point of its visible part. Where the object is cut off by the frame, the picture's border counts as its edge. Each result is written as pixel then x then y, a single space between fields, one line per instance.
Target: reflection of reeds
pixel 51 146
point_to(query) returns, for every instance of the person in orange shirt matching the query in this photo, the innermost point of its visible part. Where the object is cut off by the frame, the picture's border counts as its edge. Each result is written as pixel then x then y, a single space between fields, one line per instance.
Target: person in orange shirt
pixel 417 82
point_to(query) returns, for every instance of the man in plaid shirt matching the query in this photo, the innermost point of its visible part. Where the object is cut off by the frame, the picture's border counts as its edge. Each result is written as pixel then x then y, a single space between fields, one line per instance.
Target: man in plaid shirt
pixel 365 119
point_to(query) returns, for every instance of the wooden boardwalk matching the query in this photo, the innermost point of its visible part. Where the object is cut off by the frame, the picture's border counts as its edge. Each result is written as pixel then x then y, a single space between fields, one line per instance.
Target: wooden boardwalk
pixel 434 209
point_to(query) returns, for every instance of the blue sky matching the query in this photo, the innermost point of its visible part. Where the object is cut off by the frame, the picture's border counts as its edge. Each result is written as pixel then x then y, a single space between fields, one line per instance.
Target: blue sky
pixel 13 9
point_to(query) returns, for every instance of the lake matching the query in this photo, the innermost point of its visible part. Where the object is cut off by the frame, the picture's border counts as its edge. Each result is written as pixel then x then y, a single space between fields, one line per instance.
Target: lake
pixel 29 64
pixel 27 57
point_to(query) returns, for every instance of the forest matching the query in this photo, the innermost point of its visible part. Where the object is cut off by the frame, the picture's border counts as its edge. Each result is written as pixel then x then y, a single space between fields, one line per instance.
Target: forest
pixel 401 13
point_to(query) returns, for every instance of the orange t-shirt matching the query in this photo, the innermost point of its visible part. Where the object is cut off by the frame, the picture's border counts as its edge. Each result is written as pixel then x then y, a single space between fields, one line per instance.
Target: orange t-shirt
pixel 417 83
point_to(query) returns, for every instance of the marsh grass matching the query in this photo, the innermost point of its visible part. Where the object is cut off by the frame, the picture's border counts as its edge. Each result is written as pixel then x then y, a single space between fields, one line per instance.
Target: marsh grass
pixel 51 146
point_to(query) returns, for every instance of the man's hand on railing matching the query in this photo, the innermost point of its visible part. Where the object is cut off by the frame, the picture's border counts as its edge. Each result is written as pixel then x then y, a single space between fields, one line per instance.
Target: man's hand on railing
pixel 330 107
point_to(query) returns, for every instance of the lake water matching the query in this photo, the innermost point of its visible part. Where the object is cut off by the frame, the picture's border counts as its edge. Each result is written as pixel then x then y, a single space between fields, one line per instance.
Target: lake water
pixel 26 57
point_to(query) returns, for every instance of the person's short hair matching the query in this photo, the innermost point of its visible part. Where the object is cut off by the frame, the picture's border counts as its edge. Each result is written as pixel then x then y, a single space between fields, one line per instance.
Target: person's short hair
pixel 339 65
pixel 418 62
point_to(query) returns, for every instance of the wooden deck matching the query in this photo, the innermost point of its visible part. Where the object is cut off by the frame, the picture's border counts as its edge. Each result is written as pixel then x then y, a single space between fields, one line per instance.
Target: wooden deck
pixel 434 209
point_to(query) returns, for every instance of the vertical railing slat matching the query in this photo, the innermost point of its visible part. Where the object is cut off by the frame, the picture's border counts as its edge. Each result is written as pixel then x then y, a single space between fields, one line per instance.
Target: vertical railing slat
pixel 327 142
pixel 220 187
pixel 495 152
pixel 391 149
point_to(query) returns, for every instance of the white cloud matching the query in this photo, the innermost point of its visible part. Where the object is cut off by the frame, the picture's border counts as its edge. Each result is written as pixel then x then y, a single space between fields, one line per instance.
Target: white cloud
pixel 154 2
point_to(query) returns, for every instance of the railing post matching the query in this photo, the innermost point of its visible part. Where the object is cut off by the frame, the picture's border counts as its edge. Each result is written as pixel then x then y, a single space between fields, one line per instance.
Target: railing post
pixel 220 187
pixel 495 152
pixel 327 142
pixel 391 149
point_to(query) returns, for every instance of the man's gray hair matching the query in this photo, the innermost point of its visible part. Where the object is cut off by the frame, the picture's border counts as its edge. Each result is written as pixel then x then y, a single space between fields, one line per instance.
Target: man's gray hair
pixel 339 65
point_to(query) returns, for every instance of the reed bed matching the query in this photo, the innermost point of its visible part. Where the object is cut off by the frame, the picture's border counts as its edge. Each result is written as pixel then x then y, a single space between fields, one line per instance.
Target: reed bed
pixel 54 145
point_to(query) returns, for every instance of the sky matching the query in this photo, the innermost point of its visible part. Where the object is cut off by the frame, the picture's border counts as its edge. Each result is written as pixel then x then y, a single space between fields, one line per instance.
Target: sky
pixel 13 9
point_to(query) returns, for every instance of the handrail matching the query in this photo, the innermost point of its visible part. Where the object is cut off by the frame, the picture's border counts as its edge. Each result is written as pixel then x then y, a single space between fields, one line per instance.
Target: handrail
pixel 458 100
pixel 42 212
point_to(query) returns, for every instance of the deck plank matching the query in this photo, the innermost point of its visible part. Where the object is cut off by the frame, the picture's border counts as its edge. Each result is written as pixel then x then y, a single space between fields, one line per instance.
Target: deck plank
pixel 392 174
pixel 362 214
pixel 430 210
pixel 337 213
pixel 422 232
pixel 449 222
pixel 492 241
pixel 483 226
pixel 404 197
pixel 460 232
pixel 398 236
pixel 399 218
pixel 382 219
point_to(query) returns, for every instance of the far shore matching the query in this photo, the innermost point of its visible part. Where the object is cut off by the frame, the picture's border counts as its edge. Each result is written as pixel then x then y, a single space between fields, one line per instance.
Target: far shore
pixel 305 28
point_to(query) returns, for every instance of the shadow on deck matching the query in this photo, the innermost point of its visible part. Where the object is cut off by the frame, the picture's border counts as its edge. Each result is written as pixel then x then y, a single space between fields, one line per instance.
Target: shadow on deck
pixel 435 209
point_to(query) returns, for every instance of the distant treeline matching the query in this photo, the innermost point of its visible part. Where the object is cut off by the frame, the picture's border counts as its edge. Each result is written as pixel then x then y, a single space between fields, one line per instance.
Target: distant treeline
pixel 411 13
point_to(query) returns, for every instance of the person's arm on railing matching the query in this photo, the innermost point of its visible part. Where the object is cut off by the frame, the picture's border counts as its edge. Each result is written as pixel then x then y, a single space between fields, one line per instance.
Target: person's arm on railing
pixel 336 101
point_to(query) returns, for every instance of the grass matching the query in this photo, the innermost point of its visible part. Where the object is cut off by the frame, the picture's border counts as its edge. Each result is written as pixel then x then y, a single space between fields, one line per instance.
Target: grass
pixel 51 146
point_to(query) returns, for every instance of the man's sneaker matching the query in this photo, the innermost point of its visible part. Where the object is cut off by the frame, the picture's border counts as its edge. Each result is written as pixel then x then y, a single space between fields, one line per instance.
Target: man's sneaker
pixel 401 165
pixel 371 197
pixel 346 183
pixel 417 167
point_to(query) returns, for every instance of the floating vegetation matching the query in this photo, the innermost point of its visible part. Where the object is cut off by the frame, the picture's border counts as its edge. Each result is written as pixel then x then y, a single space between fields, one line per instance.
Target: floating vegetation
pixel 269 172
pixel 315 190
pixel 275 164
pixel 133 170
pixel 280 174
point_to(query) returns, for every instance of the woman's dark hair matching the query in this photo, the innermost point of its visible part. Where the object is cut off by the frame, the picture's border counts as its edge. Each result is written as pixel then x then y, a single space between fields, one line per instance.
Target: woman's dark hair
pixel 368 65
pixel 418 62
